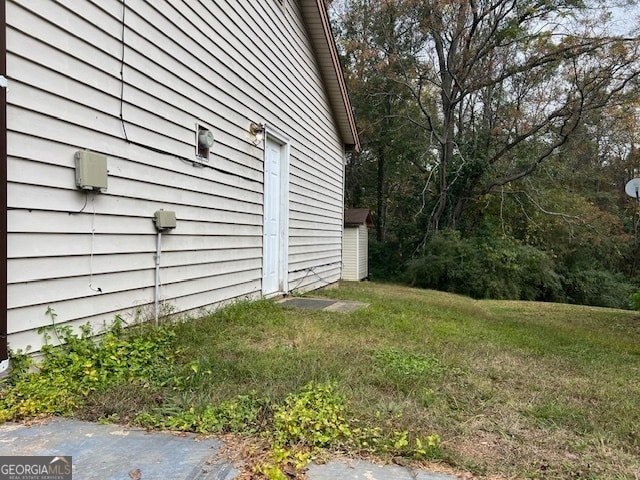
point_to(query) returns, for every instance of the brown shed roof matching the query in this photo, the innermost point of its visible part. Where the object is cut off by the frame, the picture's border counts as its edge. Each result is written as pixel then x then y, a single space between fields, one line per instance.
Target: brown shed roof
pixel 355 217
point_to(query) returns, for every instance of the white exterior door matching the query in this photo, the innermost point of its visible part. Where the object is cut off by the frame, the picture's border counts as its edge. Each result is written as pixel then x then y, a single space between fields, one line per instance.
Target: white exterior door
pixel 275 212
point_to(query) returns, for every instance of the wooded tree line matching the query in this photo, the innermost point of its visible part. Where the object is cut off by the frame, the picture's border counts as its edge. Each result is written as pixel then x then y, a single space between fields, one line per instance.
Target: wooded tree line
pixel 498 136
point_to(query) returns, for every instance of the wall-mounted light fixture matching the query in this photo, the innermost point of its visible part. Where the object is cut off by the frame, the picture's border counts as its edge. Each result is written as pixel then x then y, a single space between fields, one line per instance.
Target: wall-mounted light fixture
pixel 257 132
pixel 204 142
pixel 205 139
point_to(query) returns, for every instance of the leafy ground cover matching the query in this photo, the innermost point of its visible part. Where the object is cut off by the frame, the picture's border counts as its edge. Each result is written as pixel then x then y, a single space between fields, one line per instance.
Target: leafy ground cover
pixel 502 389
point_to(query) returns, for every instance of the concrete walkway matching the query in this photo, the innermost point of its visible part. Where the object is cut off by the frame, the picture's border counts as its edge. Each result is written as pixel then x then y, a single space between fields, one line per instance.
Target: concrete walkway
pixel 112 452
pixel 328 305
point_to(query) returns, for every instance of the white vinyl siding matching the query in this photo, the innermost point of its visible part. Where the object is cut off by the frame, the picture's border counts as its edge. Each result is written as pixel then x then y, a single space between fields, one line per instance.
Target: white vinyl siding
pixel 222 64
pixel 355 253
pixel 350 254
pixel 363 252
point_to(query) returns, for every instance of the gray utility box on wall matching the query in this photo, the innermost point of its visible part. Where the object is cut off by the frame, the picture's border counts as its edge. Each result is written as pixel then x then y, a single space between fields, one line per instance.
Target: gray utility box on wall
pixel 164 220
pixel 91 170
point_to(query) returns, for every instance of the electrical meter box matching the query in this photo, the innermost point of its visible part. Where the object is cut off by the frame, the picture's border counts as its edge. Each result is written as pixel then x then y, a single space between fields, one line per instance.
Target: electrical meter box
pixel 91 170
pixel 165 220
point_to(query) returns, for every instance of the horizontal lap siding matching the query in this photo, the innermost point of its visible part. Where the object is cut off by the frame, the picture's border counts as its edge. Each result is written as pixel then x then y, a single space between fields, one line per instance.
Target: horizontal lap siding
pixel 363 249
pixel 221 64
pixel 316 202
pixel 350 254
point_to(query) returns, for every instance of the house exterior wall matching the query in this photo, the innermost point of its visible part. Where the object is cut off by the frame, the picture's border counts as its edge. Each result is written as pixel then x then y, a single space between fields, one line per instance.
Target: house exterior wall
pixel 79 80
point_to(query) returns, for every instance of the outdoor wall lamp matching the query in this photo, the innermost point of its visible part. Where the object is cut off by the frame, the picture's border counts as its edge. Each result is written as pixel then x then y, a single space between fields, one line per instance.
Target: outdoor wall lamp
pixel 257 132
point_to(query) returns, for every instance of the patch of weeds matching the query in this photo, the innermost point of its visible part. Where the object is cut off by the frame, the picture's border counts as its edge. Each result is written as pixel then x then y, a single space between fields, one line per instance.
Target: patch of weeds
pixel 190 378
pixel 246 414
pixel 122 401
pixel 310 420
pixel 113 418
pixel 405 371
pixel 81 365
pixel 402 364
pixel 295 431
pixel 315 418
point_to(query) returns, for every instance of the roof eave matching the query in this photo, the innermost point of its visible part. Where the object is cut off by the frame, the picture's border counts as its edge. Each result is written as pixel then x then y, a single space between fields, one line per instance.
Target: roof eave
pixel 319 28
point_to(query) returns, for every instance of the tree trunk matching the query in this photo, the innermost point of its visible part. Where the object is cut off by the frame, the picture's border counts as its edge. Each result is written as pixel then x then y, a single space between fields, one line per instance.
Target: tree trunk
pixel 381 220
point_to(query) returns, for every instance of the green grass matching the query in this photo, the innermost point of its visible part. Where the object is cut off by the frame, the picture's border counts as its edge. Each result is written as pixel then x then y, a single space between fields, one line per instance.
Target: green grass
pixel 513 389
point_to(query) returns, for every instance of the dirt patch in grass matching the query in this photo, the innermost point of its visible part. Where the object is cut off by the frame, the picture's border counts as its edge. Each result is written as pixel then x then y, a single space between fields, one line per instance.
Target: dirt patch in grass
pixel 120 404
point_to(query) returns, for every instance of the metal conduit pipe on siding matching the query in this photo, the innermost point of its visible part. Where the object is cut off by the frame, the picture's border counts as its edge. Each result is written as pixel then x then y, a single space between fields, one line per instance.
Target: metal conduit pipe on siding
pixel 156 296
pixel 4 354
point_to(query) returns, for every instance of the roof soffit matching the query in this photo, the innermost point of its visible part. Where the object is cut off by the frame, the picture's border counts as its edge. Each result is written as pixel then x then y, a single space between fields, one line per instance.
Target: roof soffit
pixel 319 29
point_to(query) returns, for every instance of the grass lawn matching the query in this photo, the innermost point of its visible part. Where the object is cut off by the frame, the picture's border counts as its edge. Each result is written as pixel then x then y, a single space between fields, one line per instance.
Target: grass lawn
pixel 513 389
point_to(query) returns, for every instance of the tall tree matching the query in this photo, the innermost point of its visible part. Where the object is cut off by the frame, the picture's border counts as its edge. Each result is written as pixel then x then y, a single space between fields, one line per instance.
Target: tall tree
pixel 372 50
pixel 498 85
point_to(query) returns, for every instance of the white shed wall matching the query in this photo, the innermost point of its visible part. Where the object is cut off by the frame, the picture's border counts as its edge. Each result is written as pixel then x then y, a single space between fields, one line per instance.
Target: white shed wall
pixel 221 64
pixel 363 252
pixel 350 254
pixel 355 253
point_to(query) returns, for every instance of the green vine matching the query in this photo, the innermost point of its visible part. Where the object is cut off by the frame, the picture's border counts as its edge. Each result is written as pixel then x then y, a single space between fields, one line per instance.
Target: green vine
pixel 82 364
pixel 316 418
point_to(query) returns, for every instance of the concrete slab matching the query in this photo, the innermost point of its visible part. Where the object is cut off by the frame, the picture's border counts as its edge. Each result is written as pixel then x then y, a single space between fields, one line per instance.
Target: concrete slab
pixel 345 307
pixel 310 303
pixel 357 470
pixel 422 475
pixel 105 452
pixel 363 470
pixel 112 452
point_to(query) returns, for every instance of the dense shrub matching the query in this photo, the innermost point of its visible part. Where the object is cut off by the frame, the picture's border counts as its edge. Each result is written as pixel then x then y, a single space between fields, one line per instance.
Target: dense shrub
pixel 385 260
pixel 502 268
pixel 597 287
pixel 485 267
pixel 634 300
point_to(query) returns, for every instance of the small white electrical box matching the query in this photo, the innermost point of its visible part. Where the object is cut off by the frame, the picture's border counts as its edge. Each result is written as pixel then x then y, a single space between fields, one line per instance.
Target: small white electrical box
pixel 91 170
pixel 164 220
pixel 4 366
